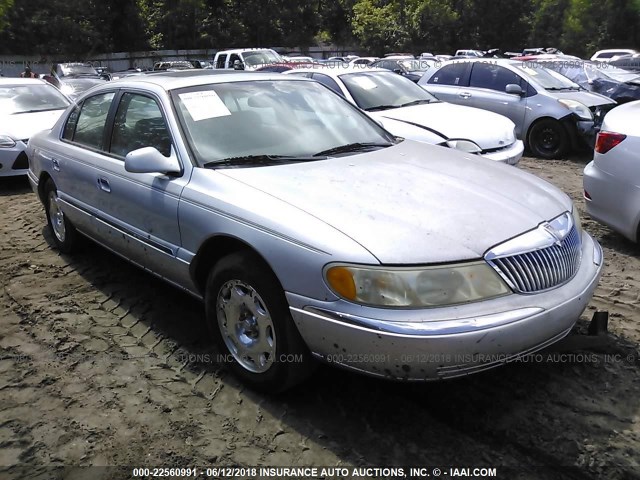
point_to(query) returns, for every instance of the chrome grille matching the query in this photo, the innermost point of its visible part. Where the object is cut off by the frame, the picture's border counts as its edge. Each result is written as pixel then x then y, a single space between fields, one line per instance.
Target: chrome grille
pixel 543 268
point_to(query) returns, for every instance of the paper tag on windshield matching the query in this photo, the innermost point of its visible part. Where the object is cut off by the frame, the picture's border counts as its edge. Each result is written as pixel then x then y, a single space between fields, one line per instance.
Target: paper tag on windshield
pixel 365 82
pixel 203 105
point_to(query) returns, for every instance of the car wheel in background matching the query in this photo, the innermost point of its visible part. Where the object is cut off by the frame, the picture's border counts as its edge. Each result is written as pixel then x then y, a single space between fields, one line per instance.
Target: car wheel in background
pixel 249 319
pixel 64 233
pixel 548 139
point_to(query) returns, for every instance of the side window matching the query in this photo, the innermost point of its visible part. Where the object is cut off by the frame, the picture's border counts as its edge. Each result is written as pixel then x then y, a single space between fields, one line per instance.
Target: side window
pixel 139 123
pixel 327 81
pixel 221 60
pixel 494 77
pixel 454 74
pixel 233 58
pixel 70 126
pixel 91 121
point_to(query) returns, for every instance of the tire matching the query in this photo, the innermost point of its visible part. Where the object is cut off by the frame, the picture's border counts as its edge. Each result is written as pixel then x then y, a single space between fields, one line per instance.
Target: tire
pixel 64 233
pixel 249 319
pixel 548 139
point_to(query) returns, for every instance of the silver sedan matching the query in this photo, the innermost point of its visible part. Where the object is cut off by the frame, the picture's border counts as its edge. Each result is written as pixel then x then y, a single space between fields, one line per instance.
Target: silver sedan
pixel 612 179
pixel 311 232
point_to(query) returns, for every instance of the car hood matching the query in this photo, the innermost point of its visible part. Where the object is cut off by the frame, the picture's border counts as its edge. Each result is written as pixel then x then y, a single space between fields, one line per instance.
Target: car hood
pixel 489 130
pixel 413 203
pixel 590 99
pixel 23 126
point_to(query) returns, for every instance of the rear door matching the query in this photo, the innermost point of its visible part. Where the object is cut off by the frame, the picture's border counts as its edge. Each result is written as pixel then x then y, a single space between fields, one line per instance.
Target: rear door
pixel 487 86
pixel 446 83
pixel 73 164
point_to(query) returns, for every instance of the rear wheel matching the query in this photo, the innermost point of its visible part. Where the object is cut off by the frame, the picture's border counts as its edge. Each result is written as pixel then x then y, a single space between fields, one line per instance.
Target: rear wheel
pixel 64 233
pixel 249 319
pixel 548 139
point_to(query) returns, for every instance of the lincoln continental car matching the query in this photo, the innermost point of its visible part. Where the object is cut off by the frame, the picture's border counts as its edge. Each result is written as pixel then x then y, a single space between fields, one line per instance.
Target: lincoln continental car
pixel 310 232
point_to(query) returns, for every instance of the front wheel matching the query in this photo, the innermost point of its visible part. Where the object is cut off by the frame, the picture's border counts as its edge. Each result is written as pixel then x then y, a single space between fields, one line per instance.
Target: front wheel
pixel 249 319
pixel 64 233
pixel 548 139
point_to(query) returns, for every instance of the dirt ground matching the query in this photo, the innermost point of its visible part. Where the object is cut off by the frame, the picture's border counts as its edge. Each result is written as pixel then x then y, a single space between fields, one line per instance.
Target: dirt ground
pixel 99 366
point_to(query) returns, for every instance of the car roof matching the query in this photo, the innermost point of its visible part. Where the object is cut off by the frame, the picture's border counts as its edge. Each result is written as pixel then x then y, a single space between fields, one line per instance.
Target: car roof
pixel 337 71
pixel 242 50
pixel 187 78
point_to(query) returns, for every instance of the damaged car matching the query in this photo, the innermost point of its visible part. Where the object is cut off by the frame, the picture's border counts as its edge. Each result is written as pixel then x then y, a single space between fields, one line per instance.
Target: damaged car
pixel 552 114
pixel 620 85
pixel 310 232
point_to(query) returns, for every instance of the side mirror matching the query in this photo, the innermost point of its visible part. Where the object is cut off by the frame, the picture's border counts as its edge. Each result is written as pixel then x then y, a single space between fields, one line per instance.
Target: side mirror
pixel 150 160
pixel 397 70
pixel 514 89
pixel 238 65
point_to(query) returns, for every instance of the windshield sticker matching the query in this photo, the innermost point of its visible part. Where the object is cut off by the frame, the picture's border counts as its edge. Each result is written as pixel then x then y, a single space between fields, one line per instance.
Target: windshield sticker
pixel 204 105
pixel 365 82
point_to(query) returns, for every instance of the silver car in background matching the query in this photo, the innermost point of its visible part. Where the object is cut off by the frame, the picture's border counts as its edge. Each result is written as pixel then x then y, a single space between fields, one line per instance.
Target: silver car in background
pixel 310 231
pixel 26 107
pixel 552 114
pixel 612 179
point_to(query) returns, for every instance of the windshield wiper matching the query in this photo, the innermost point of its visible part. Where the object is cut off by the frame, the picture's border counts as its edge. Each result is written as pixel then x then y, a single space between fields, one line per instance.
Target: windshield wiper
pixel 416 102
pixel 352 147
pixel 381 107
pixel 258 161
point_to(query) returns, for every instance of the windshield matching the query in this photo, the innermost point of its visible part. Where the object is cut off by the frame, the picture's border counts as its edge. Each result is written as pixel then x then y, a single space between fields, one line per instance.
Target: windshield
pixel 383 90
pixel 547 79
pixel 16 99
pixel 68 70
pixel 283 118
pixel 261 57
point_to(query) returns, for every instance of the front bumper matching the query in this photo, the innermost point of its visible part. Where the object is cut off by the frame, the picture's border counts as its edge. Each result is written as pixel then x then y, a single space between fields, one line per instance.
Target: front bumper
pixel 510 155
pixel 446 342
pixel 14 160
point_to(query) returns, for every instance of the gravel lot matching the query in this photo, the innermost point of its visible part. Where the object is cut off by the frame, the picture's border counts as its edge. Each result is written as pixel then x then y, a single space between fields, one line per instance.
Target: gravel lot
pixel 99 365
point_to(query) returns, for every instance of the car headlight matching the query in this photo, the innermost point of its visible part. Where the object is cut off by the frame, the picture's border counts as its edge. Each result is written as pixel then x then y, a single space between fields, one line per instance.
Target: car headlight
pixel 415 287
pixel 464 145
pixel 576 219
pixel 6 141
pixel 580 109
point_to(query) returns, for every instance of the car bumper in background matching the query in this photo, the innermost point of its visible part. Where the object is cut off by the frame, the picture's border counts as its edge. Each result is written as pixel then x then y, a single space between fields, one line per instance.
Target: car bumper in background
pixel 510 155
pixel 14 160
pixel 612 201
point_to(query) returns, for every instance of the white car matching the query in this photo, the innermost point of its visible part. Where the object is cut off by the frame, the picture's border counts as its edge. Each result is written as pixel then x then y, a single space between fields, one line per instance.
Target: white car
pixel 26 107
pixel 408 111
pixel 612 179
pixel 246 58
pixel 611 54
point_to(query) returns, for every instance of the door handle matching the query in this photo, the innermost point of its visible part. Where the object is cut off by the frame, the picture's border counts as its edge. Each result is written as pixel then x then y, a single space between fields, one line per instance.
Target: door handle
pixel 103 184
pixel 464 94
pixel 56 164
